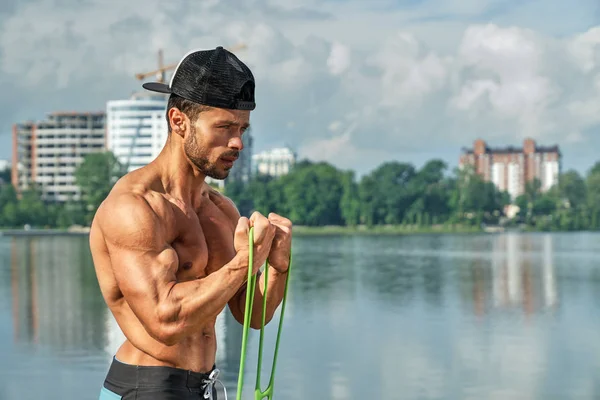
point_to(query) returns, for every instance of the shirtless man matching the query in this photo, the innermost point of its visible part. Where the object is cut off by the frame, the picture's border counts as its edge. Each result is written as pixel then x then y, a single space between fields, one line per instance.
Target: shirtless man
pixel 170 252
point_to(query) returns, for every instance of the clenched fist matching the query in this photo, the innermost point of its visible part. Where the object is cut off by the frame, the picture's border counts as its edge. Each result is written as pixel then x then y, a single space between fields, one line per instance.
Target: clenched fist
pixel 279 256
pixel 264 233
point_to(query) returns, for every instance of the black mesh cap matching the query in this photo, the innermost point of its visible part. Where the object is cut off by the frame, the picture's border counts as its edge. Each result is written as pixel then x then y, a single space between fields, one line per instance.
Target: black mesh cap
pixel 214 78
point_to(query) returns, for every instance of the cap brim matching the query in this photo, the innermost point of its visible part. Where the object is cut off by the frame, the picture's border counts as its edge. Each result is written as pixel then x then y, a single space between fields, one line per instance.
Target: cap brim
pixel 157 87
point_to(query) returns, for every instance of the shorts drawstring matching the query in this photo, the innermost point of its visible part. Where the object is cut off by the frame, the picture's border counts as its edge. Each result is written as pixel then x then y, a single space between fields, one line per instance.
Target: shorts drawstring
pixel 210 384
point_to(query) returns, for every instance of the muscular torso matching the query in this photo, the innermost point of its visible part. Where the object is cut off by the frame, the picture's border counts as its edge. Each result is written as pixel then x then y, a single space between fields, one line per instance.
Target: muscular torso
pixel 202 237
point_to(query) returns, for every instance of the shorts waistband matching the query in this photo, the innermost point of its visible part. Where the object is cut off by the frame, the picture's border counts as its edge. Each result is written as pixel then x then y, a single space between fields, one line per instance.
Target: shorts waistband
pixel 140 376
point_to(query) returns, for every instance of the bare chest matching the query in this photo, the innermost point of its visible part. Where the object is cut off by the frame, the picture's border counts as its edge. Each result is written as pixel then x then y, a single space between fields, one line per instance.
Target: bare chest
pixel 204 244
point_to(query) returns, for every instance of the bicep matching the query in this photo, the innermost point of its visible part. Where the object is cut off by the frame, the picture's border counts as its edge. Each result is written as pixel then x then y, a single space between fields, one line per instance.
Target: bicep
pixel 143 263
pixel 142 275
pixel 146 278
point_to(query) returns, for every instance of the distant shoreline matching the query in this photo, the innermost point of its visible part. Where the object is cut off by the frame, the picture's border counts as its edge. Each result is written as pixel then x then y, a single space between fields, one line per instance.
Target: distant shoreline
pixel 79 231
pixel 383 230
pixel 301 230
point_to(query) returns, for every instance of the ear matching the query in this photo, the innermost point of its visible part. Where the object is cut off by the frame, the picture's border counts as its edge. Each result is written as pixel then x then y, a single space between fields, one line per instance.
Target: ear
pixel 178 121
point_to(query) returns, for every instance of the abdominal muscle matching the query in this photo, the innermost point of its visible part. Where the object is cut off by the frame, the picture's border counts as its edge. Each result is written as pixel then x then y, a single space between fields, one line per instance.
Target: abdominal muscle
pixel 195 352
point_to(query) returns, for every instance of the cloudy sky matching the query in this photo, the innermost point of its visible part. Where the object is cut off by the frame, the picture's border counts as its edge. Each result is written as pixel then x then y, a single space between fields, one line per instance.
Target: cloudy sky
pixel 352 82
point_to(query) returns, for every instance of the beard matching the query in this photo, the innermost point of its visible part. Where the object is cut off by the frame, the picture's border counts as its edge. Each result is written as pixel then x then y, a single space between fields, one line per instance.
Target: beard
pixel 199 157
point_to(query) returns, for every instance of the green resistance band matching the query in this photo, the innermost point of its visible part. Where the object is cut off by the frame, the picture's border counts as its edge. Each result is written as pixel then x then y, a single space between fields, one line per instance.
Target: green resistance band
pixel 268 392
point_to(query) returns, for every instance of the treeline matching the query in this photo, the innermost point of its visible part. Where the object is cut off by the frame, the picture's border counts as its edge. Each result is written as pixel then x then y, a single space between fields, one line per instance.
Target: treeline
pixel 95 176
pixel 317 194
pixel 573 204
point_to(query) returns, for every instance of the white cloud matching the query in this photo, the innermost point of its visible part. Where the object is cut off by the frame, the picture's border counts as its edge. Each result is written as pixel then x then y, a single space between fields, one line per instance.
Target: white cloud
pixel 585 48
pixel 505 78
pixel 574 137
pixel 339 59
pixel 430 84
pixel 342 151
pixel 335 125
pixel 409 72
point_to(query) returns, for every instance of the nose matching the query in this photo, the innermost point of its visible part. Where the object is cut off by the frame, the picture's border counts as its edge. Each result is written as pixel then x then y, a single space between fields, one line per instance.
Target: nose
pixel 236 143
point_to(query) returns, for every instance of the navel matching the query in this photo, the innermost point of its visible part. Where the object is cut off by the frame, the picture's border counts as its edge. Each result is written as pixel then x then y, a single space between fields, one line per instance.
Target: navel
pixel 187 266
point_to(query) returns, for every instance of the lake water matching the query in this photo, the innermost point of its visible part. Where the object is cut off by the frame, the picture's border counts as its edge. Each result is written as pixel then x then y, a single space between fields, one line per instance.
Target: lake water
pixel 506 316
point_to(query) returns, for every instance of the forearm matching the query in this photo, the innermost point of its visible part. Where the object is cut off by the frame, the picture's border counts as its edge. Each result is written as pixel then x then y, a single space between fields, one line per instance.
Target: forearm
pixel 274 293
pixel 191 304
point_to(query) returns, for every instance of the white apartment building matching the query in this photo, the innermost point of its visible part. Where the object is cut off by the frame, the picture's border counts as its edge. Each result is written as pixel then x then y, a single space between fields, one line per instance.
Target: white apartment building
pixel 136 128
pixel 274 162
pixel 48 152
pixel 511 168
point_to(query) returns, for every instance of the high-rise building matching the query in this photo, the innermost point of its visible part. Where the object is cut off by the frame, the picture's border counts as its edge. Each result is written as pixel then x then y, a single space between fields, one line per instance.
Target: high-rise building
pixel 242 168
pixel 47 153
pixel 136 128
pixel 510 168
pixel 274 162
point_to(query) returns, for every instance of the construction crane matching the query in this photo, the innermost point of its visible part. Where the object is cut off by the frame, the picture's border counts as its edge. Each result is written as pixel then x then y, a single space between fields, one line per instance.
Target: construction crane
pixel 160 72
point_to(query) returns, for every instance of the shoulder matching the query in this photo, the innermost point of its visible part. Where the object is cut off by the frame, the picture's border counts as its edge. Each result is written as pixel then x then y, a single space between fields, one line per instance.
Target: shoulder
pixel 132 219
pixel 225 204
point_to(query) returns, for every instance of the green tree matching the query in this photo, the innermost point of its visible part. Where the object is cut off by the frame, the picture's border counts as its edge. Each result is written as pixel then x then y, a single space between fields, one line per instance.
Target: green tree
pixel 238 192
pixel 10 215
pixel 96 176
pixel 392 192
pixel 370 201
pixel 313 194
pixel 350 201
pixel 544 205
pixel 264 195
pixel 5 175
pixel 8 194
pixel 475 199
pixel 434 189
pixel 595 169
pixel 533 190
pixel 572 188
pixel 593 196
pixel 31 209
pixel 72 213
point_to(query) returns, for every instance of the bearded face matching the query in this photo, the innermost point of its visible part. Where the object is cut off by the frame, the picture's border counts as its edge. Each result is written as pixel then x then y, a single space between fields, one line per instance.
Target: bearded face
pixel 211 163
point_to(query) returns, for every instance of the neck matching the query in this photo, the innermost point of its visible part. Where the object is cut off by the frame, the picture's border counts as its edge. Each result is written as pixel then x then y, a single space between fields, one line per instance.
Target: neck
pixel 180 178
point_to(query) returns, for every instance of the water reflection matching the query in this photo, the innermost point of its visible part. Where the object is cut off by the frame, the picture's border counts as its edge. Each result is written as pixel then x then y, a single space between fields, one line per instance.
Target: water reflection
pixel 383 317
pixel 506 272
pixel 58 313
pixel 524 276
pixel 55 297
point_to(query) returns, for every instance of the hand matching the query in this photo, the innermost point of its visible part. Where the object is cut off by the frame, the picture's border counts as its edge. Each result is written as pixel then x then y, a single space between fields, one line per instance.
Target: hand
pixel 264 232
pixel 279 257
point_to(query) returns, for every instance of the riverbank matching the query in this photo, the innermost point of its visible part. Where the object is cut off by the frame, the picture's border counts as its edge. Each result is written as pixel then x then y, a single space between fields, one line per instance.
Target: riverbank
pixel 298 230
pixel 72 231
pixel 388 229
